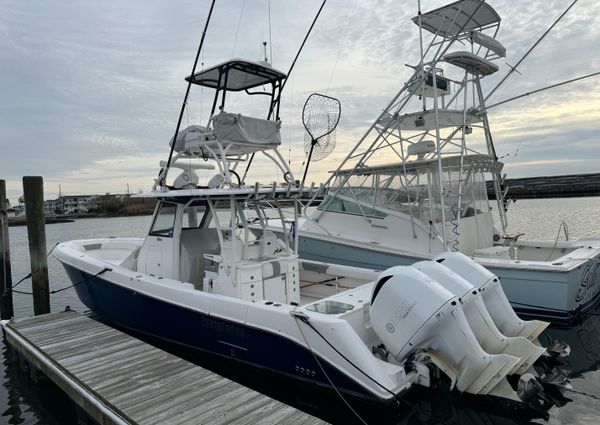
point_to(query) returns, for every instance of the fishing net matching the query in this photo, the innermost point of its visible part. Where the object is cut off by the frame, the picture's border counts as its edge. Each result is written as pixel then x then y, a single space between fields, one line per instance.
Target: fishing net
pixel 320 116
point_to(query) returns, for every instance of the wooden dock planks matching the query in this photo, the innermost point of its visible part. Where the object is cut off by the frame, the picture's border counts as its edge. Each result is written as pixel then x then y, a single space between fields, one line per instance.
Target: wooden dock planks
pixel 117 378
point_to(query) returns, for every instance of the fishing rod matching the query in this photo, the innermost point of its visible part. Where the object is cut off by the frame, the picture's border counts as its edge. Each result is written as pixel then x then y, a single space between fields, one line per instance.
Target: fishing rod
pixel 583 77
pixel 162 178
pixel 302 45
pixel 514 68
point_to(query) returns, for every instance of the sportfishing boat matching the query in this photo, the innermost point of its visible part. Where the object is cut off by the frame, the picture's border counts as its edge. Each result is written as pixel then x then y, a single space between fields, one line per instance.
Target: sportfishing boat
pixel 203 279
pixel 414 185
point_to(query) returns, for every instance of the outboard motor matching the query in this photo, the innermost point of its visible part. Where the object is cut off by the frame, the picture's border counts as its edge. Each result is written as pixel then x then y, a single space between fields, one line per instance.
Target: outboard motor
pixel 495 300
pixel 483 326
pixel 411 313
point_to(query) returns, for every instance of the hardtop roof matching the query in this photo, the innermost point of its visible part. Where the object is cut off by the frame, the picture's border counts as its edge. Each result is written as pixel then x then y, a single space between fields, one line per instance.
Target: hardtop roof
pixel 237 75
pixel 455 18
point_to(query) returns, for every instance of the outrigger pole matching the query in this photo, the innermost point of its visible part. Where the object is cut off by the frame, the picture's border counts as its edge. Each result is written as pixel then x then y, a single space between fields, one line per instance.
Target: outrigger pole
pixel 162 177
pixel 562 83
pixel 514 68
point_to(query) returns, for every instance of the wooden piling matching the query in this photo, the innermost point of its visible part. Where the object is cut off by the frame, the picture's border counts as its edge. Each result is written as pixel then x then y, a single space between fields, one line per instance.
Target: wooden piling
pixel 33 190
pixel 6 302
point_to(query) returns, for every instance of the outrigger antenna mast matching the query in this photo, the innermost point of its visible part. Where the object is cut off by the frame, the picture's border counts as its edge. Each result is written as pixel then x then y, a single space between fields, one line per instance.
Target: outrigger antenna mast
pixel 162 177
pixel 514 68
pixel 288 75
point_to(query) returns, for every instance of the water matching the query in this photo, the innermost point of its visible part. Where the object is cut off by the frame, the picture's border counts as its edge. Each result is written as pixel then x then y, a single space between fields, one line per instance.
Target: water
pixel 22 402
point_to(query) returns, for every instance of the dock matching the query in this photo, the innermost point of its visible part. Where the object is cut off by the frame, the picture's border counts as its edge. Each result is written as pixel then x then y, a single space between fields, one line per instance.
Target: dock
pixel 118 379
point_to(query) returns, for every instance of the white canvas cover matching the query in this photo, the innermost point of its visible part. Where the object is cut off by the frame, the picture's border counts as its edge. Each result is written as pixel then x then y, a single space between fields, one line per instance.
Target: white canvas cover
pixel 237 128
pixel 489 43
pixel 247 134
pixel 193 133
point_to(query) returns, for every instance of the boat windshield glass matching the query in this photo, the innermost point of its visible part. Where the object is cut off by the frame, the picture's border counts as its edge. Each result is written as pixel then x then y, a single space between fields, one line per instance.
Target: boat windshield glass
pixel 415 193
pixel 164 221
pixel 193 217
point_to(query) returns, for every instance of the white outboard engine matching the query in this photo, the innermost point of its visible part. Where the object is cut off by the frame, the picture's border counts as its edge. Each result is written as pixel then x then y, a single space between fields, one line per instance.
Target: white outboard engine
pixel 480 321
pixel 412 313
pixel 495 300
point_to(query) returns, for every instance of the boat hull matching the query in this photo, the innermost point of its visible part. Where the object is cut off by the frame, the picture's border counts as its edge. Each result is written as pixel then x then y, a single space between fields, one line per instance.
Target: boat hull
pixel 553 295
pixel 203 332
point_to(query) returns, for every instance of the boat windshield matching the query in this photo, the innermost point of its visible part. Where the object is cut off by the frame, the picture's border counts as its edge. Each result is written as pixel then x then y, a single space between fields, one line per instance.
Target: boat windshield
pixel 414 192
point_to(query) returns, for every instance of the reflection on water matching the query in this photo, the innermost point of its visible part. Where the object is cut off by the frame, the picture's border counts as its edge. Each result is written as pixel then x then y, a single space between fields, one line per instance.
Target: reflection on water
pixel 22 402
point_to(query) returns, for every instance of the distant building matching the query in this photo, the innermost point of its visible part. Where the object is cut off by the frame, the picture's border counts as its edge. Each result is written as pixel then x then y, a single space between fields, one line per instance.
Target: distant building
pixel 51 208
pixel 69 205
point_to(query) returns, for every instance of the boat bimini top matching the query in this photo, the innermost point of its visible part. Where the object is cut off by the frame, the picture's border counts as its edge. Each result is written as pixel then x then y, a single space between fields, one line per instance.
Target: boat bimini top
pixel 229 139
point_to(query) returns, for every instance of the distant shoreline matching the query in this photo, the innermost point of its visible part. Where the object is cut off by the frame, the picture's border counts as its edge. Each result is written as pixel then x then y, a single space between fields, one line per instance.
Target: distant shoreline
pixel 21 221
pixel 563 186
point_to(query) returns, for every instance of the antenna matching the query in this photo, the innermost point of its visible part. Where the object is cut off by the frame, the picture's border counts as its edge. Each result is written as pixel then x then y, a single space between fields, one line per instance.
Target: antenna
pixel 320 116
pixel 265 49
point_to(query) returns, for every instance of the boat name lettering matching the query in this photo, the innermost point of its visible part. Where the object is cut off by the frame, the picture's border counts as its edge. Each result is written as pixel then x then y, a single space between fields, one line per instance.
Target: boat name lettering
pixel 220 326
pixel 589 339
pixel 589 280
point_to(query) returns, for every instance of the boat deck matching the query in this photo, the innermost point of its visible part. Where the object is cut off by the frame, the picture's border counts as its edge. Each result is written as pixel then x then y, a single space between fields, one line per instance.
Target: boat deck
pixel 119 379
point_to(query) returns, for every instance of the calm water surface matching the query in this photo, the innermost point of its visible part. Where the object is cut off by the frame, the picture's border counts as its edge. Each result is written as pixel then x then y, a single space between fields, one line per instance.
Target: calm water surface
pixel 22 402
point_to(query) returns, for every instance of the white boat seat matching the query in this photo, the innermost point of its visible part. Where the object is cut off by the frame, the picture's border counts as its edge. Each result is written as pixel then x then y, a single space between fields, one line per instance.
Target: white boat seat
pixel 472 63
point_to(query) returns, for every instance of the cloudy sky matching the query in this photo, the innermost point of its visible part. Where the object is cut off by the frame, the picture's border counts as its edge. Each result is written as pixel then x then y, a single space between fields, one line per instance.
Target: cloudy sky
pixel 90 91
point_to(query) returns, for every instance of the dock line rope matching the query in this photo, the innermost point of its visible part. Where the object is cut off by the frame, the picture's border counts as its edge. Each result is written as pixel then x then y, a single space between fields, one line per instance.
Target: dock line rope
pixel 595 397
pixel 56 291
pixel 29 274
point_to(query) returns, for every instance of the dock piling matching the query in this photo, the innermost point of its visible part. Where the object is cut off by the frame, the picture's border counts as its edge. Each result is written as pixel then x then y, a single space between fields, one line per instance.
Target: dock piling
pixel 6 302
pixel 33 190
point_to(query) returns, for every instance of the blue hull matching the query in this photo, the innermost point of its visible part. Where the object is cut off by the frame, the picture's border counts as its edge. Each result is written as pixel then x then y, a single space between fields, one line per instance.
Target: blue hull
pixel 198 331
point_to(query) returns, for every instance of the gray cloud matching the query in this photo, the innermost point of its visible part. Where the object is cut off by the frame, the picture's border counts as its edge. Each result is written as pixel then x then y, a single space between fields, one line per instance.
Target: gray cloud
pixel 90 91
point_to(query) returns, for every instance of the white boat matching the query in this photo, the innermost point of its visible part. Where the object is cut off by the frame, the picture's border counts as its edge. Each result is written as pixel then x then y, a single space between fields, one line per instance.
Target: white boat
pixel 202 279
pixel 414 185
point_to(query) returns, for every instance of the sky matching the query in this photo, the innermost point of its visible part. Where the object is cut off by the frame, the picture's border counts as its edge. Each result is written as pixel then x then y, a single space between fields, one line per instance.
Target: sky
pixel 90 91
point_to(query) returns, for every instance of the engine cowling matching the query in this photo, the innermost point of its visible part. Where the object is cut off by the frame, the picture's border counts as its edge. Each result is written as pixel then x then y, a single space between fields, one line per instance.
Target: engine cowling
pixel 488 335
pixel 411 312
pixel 493 296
